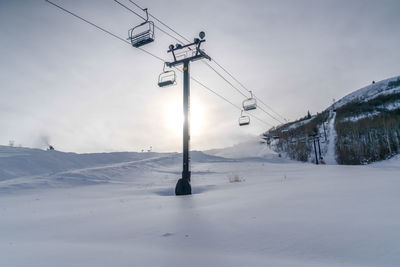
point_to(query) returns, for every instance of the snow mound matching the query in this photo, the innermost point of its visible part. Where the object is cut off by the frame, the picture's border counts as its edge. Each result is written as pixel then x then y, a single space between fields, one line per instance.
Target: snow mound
pixel 25 168
pixel 18 162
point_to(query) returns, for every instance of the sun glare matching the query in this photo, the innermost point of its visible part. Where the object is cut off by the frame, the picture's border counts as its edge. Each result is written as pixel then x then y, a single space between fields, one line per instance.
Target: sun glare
pixel 173 118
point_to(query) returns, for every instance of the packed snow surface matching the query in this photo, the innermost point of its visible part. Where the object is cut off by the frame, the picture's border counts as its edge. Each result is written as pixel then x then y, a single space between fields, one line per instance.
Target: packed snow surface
pixel 118 209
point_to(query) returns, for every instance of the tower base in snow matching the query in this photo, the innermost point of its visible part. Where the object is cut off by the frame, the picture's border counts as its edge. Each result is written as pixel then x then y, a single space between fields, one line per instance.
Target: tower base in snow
pixel 183 187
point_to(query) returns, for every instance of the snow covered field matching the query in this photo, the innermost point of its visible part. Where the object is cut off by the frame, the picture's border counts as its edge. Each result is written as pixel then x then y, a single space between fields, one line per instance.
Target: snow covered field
pixel 118 209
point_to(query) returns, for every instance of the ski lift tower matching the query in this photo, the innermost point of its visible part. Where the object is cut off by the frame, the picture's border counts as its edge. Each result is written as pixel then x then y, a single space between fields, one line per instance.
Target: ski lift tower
pixel 183 55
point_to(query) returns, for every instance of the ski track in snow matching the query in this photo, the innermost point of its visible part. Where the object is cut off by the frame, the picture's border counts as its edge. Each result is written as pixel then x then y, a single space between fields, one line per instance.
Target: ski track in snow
pixel 281 213
pixel 330 157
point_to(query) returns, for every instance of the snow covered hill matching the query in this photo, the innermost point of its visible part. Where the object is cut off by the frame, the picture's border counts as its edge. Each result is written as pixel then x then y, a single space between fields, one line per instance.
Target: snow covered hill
pixel 360 128
pixel 18 161
pixel 385 87
pixel 25 168
pixel 118 209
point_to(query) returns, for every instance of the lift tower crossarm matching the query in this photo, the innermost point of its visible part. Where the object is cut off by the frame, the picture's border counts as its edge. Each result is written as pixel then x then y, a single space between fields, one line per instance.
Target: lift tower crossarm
pixel 199 54
pixel 183 186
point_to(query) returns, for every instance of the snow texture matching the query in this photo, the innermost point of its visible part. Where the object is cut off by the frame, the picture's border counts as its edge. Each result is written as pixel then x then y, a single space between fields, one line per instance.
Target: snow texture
pixel 250 149
pixel 300 123
pixel 391 106
pixel 330 156
pixel 369 115
pixel 369 92
pixel 118 209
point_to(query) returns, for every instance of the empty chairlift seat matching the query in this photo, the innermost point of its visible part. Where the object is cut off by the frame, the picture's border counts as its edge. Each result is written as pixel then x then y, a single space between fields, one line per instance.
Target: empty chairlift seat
pixel 143 33
pixel 249 103
pixel 244 120
pixel 166 78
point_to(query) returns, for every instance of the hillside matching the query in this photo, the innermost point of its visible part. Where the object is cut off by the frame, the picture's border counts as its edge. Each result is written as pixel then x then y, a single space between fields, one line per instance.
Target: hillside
pixel 360 128
pixel 389 86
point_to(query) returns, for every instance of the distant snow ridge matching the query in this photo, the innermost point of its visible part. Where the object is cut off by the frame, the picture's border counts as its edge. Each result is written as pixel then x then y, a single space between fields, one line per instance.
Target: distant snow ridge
pixel 26 168
pixel 369 92
pixel 249 149
pixel 18 162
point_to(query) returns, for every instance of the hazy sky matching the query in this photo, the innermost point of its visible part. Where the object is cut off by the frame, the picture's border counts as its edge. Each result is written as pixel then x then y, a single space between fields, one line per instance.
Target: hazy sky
pixel 84 91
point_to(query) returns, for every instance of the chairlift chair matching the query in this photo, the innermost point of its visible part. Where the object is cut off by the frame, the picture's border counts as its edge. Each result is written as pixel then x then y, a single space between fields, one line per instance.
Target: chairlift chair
pixel 166 78
pixel 243 120
pixel 143 33
pixel 249 103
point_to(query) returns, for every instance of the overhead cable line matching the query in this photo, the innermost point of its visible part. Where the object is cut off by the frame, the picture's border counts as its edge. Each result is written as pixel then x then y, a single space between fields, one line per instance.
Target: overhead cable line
pixel 249 91
pixel 102 29
pixel 233 86
pixel 244 87
pixel 263 110
pixel 219 74
pixel 183 37
pixel 236 106
pixel 149 53
pixel 164 24
pixel 238 90
pixel 140 16
pixel 218 64
pixel 271 109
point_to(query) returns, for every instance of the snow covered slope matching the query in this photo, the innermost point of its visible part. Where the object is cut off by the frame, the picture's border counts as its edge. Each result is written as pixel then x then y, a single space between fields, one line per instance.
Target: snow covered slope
pixel 250 149
pixel 25 168
pixel 18 161
pixel 329 148
pixel 279 214
pixel 360 128
pixel 369 92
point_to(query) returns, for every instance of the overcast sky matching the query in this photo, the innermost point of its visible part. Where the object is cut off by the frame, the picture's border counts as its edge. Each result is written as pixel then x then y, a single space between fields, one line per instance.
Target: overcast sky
pixel 65 82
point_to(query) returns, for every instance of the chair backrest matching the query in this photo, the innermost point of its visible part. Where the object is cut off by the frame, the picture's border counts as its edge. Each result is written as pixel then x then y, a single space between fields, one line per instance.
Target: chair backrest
pixel 244 120
pixel 249 104
pixel 167 78
pixel 142 34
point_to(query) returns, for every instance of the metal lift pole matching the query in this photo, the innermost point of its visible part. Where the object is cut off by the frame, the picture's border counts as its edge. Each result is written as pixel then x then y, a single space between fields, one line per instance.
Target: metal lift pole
pixel 186 122
pixel 314 137
pixel 319 149
pixel 183 186
pixel 315 151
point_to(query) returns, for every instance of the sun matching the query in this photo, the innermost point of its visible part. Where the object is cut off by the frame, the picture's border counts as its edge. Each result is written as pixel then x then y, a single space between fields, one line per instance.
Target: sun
pixel 173 118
